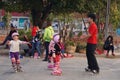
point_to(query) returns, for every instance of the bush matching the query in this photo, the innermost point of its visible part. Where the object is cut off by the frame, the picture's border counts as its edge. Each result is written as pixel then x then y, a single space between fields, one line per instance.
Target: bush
pixel 80 33
pixel 80 47
pixel 70 43
pixel 28 33
pixel 22 33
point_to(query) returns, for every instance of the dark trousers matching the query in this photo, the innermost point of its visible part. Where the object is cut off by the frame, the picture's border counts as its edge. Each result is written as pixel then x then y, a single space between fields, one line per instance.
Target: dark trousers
pixel 110 48
pixel 92 62
pixel 47 50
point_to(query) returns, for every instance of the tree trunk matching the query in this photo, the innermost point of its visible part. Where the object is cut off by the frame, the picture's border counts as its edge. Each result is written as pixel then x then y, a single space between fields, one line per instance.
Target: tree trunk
pixel 107 19
pixel 36 17
pixel 39 16
pixel 98 21
pixel 8 21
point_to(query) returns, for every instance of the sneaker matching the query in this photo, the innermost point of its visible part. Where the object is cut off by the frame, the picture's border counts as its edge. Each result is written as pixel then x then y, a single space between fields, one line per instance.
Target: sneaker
pixel 15 69
pixel 87 70
pixel 19 69
pixel 95 71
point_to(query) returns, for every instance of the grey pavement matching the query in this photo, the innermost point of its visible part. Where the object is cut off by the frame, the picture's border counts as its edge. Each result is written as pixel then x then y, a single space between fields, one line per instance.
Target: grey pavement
pixel 73 69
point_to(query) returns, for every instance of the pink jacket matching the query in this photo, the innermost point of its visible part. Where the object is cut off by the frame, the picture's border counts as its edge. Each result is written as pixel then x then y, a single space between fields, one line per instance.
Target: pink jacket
pixel 51 46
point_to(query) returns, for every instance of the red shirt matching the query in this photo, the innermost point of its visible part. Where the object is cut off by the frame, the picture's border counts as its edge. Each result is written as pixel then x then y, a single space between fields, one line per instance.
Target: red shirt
pixel 94 32
pixel 34 30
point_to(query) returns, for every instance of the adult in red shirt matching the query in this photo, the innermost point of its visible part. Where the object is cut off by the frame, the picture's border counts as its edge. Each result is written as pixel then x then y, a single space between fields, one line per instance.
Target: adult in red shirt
pixel 35 41
pixel 34 31
pixel 91 45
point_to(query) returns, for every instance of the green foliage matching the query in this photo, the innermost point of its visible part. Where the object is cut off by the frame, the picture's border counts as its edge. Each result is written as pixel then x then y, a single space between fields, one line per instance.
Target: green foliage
pixel 100 45
pixel 58 6
pixel 100 41
pixel 69 43
pixel 4 19
pixel 22 33
pixel 65 7
pixel 80 33
pixel 115 15
pixel 28 33
pixel 80 47
pixel 100 36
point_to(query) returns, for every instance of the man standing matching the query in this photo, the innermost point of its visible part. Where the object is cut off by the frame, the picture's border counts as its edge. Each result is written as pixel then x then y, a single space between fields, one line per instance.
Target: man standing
pixel 91 45
pixel 47 37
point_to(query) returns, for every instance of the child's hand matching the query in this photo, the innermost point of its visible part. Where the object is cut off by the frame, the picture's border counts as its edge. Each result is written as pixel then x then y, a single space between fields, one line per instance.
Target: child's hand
pixel 111 44
pixel 8 42
pixel 53 55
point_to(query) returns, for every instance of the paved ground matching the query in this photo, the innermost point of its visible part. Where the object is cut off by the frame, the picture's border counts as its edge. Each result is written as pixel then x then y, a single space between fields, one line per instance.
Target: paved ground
pixel 73 69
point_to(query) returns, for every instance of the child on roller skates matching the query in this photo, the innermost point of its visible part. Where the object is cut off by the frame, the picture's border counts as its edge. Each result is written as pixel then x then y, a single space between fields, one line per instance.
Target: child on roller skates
pixel 55 55
pixel 14 51
pixel 51 51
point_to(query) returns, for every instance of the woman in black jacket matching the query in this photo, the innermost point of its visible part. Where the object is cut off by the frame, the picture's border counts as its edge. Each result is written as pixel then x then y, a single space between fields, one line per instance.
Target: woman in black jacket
pixel 109 45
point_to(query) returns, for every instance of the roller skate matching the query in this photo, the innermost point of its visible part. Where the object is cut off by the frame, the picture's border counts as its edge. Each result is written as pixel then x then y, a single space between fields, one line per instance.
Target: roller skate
pixel 88 70
pixel 19 69
pixel 50 66
pixel 95 71
pixel 57 72
pixel 14 68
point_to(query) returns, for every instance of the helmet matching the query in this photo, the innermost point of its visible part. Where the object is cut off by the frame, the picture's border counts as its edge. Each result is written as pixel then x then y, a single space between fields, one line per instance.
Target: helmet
pixel 56 37
pixel 15 34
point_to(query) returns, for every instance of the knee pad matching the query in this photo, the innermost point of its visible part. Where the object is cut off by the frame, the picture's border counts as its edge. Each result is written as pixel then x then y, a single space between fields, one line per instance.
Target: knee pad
pixel 13 60
pixel 18 61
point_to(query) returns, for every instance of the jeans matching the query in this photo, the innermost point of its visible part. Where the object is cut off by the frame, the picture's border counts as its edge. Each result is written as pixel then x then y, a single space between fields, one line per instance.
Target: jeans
pixel 47 50
pixel 36 46
pixel 92 62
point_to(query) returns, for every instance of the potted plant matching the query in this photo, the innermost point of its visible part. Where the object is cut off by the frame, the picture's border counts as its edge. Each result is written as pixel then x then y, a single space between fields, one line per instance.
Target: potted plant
pixel 81 47
pixel 70 47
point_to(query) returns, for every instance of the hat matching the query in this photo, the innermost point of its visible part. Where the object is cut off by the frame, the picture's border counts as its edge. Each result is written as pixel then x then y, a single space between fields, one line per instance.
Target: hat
pixel 15 34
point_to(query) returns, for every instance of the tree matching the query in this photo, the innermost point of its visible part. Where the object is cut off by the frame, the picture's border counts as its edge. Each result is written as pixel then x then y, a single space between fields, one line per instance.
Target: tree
pixel 115 14
pixel 40 9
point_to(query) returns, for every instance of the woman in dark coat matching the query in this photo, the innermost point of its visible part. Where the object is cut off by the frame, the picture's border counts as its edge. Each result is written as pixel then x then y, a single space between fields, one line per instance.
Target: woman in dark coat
pixel 108 45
